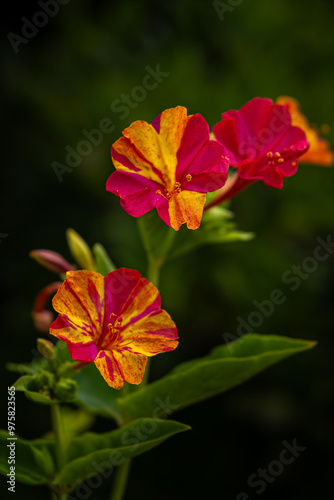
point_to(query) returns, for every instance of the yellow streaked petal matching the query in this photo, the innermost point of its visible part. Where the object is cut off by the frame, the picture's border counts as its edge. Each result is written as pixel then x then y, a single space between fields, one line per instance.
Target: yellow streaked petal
pixel 186 206
pixel 80 301
pixel 117 366
pixel 172 125
pixel 132 365
pixel 144 168
pixel 107 365
pixel 153 154
pixel 142 296
pixel 319 151
pixel 151 334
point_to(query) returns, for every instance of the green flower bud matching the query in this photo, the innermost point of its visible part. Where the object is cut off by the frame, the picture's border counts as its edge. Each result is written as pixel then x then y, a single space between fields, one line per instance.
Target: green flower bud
pixel 46 349
pixel 65 389
pixel 80 250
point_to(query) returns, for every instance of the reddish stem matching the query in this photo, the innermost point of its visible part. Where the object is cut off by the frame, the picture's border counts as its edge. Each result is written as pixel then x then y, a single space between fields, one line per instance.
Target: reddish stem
pixel 233 186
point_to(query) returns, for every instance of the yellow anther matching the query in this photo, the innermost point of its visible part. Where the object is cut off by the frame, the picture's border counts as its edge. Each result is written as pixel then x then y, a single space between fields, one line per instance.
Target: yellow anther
pixel 167 196
pixel 269 155
pixel 189 177
pixel 277 155
pixel 280 160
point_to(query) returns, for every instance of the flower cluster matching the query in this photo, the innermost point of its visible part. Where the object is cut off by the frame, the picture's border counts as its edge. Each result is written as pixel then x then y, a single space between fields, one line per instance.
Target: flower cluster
pixel 170 165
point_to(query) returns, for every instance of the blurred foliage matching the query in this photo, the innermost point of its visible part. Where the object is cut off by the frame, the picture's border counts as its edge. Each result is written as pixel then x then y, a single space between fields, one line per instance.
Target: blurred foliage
pixel 63 81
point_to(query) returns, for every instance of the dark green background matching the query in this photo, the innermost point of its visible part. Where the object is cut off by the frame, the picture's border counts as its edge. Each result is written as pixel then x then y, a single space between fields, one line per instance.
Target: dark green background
pixel 63 81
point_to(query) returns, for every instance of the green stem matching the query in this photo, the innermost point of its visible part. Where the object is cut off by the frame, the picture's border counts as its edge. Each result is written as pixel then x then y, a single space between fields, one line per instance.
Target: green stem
pixel 153 271
pixel 121 480
pixel 122 473
pixel 60 445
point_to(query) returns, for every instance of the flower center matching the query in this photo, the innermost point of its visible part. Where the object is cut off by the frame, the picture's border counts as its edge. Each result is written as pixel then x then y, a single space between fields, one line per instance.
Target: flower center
pixel 111 336
pixel 177 189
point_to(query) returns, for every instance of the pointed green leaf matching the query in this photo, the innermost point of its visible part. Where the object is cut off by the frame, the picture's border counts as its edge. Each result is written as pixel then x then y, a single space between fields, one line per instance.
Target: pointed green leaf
pixel 86 453
pixel 225 367
pixel 103 262
pixel 95 395
pixel 34 460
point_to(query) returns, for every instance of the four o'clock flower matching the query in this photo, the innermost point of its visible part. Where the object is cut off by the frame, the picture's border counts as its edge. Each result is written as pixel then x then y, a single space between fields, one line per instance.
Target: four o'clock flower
pixel 319 152
pixel 261 143
pixel 114 321
pixel 169 165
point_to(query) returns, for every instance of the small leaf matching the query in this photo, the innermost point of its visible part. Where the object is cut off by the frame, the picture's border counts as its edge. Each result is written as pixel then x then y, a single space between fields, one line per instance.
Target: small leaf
pixel 88 452
pixel 103 262
pixel 216 227
pixel 225 367
pixel 42 396
pixel 34 460
pixel 27 368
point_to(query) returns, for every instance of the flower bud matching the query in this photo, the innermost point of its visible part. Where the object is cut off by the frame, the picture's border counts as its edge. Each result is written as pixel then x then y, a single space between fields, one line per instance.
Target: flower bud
pixel 52 261
pixel 46 348
pixel 42 320
pixel 65 389
pixel 42 317
pixel 80 250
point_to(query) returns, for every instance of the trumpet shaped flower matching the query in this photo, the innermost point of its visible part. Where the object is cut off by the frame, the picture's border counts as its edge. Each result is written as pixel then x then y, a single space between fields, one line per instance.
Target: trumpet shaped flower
pixel 114 321
pixel 261 143
pixel 319 152
pixel 169 165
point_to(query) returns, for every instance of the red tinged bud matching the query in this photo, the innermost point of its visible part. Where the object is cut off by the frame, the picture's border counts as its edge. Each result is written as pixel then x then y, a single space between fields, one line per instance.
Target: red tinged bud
pixel 51 260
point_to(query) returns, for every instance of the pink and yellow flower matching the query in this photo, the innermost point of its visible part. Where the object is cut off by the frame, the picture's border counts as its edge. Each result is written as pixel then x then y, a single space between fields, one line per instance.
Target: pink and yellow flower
pixel 261 143
pixel 319 152
pixel 169 165
pixel 114 321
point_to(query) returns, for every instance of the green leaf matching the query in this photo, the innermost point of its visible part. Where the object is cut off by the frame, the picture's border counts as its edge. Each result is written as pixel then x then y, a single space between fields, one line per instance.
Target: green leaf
pixel 216 227
pixel 95 395
pixel 103 262
pixel 225 367
pixel 61 352
pixel 43 397
pixel 87 453
pixel 34 460
pixel 28 368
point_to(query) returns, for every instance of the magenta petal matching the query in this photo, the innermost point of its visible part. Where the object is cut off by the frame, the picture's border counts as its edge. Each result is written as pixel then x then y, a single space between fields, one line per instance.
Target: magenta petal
pixel 163 211
pixel 126 183
pixel 195 137
pixel 261 142
pixel 209 170
pixel 85 353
